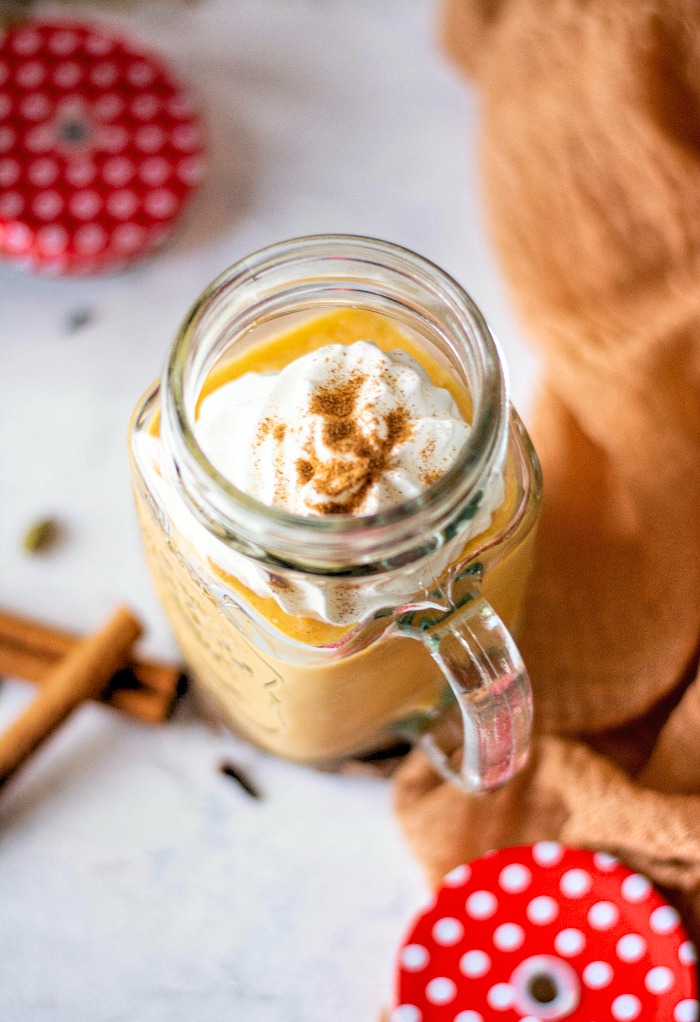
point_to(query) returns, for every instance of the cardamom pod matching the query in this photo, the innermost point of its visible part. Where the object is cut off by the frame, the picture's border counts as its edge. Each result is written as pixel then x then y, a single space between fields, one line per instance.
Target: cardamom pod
pixel 41 536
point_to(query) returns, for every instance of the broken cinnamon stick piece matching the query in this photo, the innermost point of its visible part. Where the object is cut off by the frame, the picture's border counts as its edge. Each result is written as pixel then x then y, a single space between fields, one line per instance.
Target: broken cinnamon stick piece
pixel 151 707
pixel 23 631
pixel 29 649
pixel 83 673
pixel 18 662
pixel 52 643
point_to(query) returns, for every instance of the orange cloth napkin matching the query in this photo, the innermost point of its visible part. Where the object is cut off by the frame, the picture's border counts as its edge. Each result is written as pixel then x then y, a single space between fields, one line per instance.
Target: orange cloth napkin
pixel 590 151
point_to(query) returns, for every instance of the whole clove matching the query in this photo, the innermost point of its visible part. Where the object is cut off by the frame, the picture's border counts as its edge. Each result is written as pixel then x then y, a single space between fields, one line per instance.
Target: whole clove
pixel 240 777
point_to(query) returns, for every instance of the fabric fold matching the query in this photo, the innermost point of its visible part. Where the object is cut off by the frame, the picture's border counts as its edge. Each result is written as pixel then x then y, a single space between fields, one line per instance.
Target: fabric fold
pixel 589 146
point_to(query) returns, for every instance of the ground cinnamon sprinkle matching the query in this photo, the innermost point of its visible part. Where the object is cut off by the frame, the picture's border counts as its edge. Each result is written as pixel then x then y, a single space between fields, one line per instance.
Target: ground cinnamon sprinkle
pixel 370 452
pixel 273 426
pixel 430 473
pixel 398 428
pixel 305 471
pixel 338 402
pixel 276 429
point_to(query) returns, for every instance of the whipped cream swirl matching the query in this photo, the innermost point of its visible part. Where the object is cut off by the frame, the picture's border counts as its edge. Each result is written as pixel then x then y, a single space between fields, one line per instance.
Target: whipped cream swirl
pixel 345 429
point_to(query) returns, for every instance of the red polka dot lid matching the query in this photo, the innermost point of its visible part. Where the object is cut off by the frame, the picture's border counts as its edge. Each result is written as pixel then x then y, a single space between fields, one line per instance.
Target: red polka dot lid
pixel 100 148
pixel 543 932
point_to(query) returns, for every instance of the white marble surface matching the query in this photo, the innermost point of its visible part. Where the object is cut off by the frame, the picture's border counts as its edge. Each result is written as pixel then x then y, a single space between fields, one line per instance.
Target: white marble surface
pixel 137 883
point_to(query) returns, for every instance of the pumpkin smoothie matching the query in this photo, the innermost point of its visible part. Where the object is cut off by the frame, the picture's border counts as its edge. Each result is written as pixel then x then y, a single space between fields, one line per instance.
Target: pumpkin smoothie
pixel 331 415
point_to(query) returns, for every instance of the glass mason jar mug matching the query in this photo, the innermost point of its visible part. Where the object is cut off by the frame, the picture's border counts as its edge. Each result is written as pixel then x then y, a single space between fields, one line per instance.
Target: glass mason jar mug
pixel 404 626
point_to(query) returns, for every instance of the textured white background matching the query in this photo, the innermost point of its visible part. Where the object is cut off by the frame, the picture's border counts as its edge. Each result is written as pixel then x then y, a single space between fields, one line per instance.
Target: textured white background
pixel 136 882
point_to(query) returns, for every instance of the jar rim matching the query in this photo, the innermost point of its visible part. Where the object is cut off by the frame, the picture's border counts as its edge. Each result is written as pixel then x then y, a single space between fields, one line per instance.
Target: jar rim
pixel 338 544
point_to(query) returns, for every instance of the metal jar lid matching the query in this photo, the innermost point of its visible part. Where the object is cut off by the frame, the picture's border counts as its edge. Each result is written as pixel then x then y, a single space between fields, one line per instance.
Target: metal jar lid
pixel 100 148
pixel 543 932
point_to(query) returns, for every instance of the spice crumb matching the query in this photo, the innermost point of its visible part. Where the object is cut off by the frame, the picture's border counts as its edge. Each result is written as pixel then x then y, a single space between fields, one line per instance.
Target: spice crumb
pixel 78 319
pixel 280 584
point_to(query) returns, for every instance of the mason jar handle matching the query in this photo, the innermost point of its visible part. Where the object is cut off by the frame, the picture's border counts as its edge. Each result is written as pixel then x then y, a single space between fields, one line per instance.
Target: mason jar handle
pixel 478 657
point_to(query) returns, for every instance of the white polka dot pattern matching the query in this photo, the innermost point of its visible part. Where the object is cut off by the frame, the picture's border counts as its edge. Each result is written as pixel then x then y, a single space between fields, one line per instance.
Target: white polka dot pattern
pixel 53 239
pixel 458 876
pixel 47 205
pixel 447 931
pixel 414 957
pixel 441 990
pixel 569 942
pixel 475 963
pixel 514 878
pixel 80 173
pixel 604 862
pixel 547 853
pixel 122 204
pixel 85 205
pixel 406 1013
pixel 687 954
pixel 598 975
pixel 508 937
pixel 118 171
pixel 635 888
pixel 658 980
pixel 501 996
pixel 90 239
pixel 97 141
pixel 154 171
pixel 664 919
pixel 11 205
pixel 542 910
pixel 43 172
pixel 10 171
pixel 686 1011
pixel 575 883
pixel 626 1007
pixel 596 930
pixel 603 915
pixel 481 905
pixel 631 947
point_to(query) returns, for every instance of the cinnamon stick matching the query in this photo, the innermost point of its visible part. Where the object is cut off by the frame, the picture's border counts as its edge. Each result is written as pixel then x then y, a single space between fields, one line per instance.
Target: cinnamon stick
pixel 24 631
pixel 151 707
pixel 82 674
pixel 23 663
pixel 29 649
